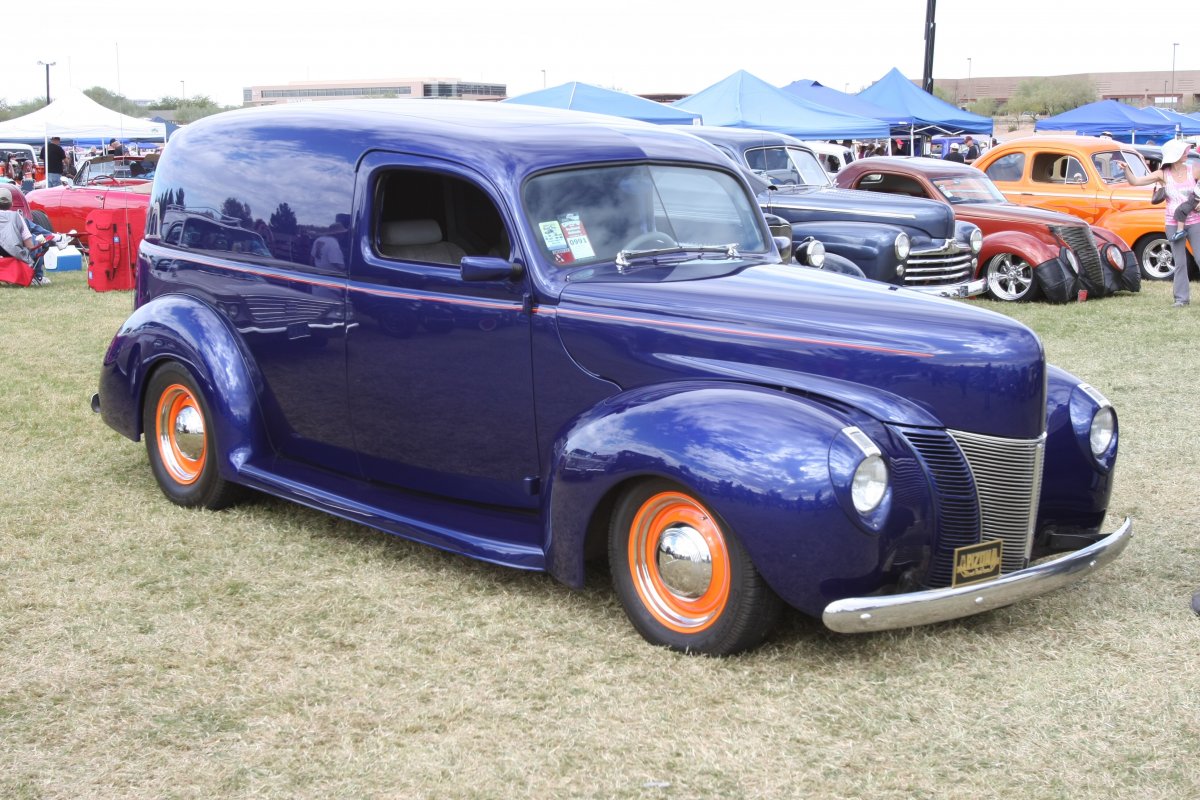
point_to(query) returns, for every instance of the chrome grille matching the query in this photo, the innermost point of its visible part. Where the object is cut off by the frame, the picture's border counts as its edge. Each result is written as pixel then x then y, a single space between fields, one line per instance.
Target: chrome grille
pixel 986 488
pixel 281 310
pixel 947 265
pixel 1079 238
pixel 1008 477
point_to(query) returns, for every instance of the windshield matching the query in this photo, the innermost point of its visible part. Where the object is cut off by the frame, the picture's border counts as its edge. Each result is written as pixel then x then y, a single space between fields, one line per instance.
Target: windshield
pixel 969 189
pixel 602 215
pixel 1109 173
pixel 787 166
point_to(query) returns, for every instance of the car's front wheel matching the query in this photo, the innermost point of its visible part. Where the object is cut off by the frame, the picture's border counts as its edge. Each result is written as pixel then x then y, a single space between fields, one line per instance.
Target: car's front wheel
pixel 179 437
pixel 1010 278
pixel 682 576
pixel 1154 257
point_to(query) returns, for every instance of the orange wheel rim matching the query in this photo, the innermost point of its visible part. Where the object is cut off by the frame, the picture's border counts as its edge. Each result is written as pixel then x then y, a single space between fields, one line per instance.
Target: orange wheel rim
pixel 180 434
pixel 673 516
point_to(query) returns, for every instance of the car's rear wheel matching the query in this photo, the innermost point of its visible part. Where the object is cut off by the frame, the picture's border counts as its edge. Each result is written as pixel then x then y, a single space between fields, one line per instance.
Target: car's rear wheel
pixel 1011 278
pixel 179 437
pixel 682 576
pixel 1154 257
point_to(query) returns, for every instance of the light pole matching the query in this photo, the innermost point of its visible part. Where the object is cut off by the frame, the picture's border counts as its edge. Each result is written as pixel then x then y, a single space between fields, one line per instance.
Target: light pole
pixel 182 93
pixel 47 65
pixel 543 79
pixel 970 97
pixel 1174 47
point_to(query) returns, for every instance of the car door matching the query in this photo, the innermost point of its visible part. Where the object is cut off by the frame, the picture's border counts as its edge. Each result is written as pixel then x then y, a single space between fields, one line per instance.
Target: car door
pixel 439 368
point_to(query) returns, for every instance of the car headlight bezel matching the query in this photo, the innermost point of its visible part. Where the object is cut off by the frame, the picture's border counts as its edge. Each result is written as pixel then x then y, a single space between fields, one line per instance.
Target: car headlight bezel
pixel 902 246
pixel 976 241
pixel 861 478
pixel 1097 427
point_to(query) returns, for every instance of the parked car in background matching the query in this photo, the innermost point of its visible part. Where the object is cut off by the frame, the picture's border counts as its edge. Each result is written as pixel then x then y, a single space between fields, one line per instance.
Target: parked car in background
pixel 67 206
pixel 23 152
pixel 116 170
pixel 833 157
pixel 1027 252
pixel 1075 175
pixel 904 241
pixel 549 338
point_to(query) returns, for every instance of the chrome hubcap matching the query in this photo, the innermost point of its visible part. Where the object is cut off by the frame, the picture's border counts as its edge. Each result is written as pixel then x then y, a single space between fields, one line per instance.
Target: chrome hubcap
pixel 1157 259
pixel 189 433
pixel 684 561
pixel 1009 278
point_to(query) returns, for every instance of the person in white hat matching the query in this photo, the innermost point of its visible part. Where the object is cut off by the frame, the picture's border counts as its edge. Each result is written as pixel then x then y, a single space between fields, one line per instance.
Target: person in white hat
pixel 1179 177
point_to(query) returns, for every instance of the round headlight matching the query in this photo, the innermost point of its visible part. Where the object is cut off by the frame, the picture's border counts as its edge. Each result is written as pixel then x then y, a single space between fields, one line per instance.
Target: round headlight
pixel 903 246
pixel 1104 428
pixel 1113 255
pixel 869 484
pixel 976 240
pixel 1072 260
pixel 816 254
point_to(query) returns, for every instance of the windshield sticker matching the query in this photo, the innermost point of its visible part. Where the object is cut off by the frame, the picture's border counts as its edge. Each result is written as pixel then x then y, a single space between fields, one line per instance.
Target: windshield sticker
pixel 577 237
pixel 556 242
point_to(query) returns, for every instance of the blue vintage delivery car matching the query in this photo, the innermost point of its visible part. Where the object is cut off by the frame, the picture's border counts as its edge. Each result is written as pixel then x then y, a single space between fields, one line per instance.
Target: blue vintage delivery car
pixel 533 337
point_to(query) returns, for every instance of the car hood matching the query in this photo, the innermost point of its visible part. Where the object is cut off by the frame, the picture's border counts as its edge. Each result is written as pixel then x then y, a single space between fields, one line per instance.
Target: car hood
pixel 901 356
pixel 932 217
pixel 1011 212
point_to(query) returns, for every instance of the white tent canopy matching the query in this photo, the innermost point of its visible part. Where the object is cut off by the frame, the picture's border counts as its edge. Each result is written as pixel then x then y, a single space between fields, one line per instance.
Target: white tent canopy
pixel 74 115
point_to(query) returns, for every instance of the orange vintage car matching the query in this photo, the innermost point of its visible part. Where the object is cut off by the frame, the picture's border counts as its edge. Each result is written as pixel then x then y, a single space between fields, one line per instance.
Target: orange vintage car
pixel 1076 174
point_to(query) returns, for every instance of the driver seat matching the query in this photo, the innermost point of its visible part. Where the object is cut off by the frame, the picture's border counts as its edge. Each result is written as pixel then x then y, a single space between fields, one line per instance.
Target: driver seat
pixel 418 240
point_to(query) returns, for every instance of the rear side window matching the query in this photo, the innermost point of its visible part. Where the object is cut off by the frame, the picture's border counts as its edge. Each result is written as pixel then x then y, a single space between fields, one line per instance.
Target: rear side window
pixel 1058 168
pixel 1007 168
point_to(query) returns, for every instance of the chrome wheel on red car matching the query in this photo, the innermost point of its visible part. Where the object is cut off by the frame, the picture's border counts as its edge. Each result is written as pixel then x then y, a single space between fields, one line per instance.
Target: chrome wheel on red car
pixel 1010 278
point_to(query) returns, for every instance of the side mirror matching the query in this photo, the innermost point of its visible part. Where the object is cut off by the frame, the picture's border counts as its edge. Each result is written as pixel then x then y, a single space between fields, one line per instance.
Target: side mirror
pixel 784 245
pixel 488 268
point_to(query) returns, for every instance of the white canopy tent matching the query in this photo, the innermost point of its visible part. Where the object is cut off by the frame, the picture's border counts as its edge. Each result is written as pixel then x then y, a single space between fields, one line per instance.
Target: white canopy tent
pixel 74 115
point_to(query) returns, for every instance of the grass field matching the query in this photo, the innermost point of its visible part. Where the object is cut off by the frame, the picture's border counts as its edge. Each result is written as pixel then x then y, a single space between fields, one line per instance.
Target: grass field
pixel 269 651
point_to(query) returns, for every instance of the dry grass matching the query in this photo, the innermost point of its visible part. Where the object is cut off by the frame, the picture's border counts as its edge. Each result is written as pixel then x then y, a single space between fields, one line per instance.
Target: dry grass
pixel 271 651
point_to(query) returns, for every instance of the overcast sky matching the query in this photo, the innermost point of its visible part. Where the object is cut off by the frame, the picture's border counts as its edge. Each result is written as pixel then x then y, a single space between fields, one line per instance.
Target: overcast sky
pixel 217 47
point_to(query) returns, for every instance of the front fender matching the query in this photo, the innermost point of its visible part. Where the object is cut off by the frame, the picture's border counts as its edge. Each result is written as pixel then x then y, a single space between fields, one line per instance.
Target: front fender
pixel 1030 249
pixel 179 328
pixel 758 457
pixel 870 246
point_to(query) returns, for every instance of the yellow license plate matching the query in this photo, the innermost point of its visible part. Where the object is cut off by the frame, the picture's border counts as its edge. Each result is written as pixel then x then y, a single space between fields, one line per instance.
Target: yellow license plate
pixel 977 562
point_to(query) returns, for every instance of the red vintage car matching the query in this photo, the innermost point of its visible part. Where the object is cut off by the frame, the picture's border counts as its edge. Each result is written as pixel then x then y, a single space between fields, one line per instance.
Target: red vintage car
pixel 104 182
pixel 1027 252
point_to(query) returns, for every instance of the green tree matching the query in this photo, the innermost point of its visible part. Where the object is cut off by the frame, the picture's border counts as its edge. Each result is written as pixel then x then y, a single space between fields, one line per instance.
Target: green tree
pixel 117 102
pixel 1048 96
pixel 14 110
pixel 945 95
pixel 984 106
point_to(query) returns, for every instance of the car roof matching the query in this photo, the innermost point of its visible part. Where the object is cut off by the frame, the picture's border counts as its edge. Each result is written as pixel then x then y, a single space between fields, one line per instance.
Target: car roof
pixel 930 167
pixel 744 136
pixel 513 137
pixel 1088 144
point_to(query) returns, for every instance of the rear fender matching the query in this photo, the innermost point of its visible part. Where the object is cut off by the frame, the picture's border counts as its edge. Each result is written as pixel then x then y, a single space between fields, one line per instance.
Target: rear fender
pixel 182 329
pixel 760 458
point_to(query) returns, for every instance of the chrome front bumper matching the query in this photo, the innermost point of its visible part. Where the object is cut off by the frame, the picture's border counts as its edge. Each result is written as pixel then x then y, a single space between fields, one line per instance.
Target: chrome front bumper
pixel 961 290
pixel 865 614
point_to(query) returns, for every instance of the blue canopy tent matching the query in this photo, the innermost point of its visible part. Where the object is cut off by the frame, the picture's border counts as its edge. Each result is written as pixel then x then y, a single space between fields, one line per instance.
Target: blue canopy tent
pixel 926 113
pixel 585 97
pixel 1123 122
pixel 840 101
pixel 745 101
pixel 1184 125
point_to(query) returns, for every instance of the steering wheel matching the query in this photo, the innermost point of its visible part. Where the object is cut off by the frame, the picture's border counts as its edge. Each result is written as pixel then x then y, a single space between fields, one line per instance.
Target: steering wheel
pixel 650 239
pixel 102 178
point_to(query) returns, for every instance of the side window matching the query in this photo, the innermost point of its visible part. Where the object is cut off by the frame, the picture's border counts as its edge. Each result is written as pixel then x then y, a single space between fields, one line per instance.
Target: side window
pixel 1057 168
pixel 1007 168
pixel 433 218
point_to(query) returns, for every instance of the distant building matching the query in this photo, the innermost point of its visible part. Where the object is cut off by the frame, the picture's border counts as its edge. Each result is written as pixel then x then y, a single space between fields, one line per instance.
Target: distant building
pixel 1162 88
pixel 444 88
